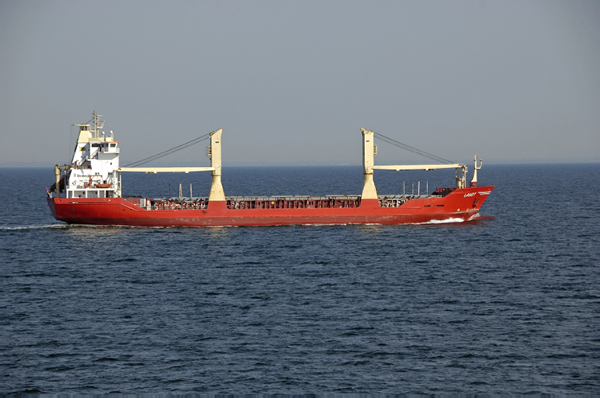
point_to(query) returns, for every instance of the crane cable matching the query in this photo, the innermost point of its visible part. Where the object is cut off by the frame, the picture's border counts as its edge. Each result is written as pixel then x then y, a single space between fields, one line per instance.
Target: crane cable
pixel 202 138
pixel 169 151
pixel 163 154
pixel 412 149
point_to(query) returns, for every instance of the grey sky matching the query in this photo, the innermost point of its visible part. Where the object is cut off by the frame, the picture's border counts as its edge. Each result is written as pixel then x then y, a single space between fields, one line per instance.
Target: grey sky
pixel 292 82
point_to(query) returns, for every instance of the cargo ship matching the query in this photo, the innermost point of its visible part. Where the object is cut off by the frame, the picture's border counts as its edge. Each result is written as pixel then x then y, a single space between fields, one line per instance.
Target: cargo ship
pixel 89 191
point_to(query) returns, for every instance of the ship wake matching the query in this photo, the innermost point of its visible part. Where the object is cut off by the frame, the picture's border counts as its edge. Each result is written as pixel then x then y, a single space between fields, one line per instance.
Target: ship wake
pixel 29 227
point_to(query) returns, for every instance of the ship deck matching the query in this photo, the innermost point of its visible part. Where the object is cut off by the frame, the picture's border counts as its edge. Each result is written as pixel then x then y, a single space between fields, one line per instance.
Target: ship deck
pixel 273 202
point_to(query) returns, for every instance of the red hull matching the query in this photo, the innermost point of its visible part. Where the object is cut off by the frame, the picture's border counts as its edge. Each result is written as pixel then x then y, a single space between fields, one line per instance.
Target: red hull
pixel 460 205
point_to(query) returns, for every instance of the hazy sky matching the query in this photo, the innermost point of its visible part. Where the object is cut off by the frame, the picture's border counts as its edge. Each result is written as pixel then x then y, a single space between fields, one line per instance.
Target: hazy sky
pixel 292 82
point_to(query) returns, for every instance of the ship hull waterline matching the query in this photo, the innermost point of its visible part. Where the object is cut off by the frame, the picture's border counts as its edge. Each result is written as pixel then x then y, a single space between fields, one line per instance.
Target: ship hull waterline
pixel 460 205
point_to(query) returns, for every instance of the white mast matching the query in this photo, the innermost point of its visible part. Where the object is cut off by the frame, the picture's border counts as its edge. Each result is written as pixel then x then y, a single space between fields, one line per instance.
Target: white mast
pixel 475 168
pixel 216 189
pixel 369 149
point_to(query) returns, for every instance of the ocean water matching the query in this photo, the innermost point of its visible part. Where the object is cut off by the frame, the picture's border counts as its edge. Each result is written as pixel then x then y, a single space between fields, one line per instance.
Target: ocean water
pixel 507 304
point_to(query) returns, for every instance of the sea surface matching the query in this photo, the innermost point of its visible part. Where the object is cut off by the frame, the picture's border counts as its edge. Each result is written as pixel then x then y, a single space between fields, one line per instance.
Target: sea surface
pixel 506 304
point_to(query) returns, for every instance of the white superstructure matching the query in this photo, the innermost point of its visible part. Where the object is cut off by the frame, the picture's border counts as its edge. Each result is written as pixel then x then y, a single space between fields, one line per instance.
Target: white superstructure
pixel 94 168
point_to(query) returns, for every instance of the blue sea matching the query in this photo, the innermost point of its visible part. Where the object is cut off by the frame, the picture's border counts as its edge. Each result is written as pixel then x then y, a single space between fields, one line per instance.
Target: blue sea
pixel 507 304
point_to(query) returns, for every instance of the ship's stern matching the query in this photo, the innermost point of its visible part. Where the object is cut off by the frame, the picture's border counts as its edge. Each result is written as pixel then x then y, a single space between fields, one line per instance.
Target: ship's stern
pixel 52 207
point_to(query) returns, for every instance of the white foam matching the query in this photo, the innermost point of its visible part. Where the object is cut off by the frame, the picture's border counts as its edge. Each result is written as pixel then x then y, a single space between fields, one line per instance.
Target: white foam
pixel 447 221
pixel 473 217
